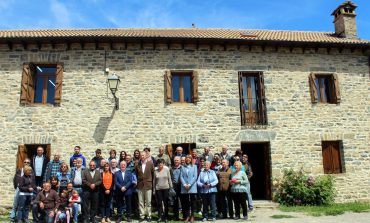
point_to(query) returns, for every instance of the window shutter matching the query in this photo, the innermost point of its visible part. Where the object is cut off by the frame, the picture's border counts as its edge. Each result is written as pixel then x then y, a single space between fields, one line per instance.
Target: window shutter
pixel 168 84
pixel 262 113
pixel 337 168
pixel 58 84
pixel 336 88
pixel 194 82
pixel 27 88
pixel 48 150
pixel 326 158
pixel 169 150
pixel 241 99
pixel 21 156
pixel 313 88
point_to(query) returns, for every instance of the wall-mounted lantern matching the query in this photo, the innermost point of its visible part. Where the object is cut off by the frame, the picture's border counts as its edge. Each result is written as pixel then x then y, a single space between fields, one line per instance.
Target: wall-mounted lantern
pixel 113 82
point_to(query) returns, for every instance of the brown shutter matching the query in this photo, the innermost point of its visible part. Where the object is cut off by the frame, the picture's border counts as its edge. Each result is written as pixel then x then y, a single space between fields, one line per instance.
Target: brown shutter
pixel 21 156
pixel 326 157
pixel 194 82
pixel 335 153
pixel 169 150
pixel 27 88
pixel 58 84
pixel 313 88
pixel 168 85
pixel 241 99
pixel 48 151
pixel 262 112
pixel 336 88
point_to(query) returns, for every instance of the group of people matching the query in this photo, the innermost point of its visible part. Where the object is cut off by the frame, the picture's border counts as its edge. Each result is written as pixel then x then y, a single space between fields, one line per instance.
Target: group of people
pixel 218 184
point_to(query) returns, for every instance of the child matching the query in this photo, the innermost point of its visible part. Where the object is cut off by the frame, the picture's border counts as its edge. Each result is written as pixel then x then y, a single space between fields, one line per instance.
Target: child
pixel 63 211
pixel 75 205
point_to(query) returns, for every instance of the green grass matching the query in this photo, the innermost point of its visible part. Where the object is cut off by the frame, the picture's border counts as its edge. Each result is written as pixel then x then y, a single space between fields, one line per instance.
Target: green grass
pixel 335 209
pixel 280 216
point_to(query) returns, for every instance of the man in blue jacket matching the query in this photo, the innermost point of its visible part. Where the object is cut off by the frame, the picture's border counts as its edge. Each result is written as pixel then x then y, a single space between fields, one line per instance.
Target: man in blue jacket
pixel 124 182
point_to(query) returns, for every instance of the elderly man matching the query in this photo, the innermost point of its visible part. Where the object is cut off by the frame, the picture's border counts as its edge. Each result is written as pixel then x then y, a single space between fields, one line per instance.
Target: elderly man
pixel 45 204
pixel 53 167
pixel 38 164
pixel 145 174
pixel 91 181
pixel 179 152
pixel 124 184
pixel 207 155
pixel 224 154
pixel 162 155
pixel 224 200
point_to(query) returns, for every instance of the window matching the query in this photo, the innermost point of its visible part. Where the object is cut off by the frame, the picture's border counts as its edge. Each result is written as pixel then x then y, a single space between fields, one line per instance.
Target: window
pixel 331 157
pixel 41 84
pixel 324 88
pixel 181 86
pixel 252 98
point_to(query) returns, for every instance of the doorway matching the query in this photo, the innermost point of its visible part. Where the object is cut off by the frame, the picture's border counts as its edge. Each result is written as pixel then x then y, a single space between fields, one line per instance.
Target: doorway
pixel 29 150
pixel 259 158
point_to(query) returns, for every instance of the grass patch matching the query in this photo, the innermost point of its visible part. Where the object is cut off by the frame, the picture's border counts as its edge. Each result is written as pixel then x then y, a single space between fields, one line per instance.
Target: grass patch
pixel 334 209
pixel 280 216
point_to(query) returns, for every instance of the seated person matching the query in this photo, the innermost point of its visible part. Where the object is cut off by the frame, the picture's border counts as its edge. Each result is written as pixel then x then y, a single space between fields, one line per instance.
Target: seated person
pixel 45 204
pixel 63 210
pixel 75 205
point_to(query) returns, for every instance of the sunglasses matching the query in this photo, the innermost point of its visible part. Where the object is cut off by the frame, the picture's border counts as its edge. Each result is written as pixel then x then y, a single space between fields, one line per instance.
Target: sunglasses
pixel 26 162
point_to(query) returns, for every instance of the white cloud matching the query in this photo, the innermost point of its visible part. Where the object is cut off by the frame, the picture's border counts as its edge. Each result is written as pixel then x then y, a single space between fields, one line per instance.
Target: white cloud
pixel 61 14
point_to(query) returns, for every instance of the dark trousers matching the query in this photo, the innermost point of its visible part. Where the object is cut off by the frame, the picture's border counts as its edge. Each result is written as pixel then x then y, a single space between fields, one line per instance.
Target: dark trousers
pixel 209 199
pixel 188 203
pixel 135 203
pixel 176 200
pixel 162 199
pixel 105 203
pixel 38 181
pixel 41 215
pixel 24 202
pixel 240 200
pixel 124 200
pixel 90 204
pixel 226 203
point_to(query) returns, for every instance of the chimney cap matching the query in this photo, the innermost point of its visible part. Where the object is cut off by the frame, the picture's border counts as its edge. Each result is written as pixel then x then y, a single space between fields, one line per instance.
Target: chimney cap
pixel 346 5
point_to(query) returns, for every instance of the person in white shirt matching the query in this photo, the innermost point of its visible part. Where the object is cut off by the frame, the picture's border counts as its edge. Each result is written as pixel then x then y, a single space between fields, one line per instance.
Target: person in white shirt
pixel 38 164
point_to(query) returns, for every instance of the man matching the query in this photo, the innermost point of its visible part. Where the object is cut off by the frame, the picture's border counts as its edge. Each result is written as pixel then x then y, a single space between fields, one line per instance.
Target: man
pixel 123 181
pixel 76 155
pixel 97 158
pixel 130 164
pixel 16 179
pixel 145 173
pixel 162 155
pixel 38 164
pixel 248 171
pixel 76 175
pixel 207 155
pixel 149 156
pixel 194 155
pixel 53 167
pixel 178 152
pixel 225 153
pixel 224 200
pixel 45 205
pixel 113 166
pixel 101 165
pixel 91 181
pixel 175 173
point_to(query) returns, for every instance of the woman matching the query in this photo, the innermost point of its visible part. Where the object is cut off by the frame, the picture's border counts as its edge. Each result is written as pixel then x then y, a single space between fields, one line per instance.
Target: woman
pixel 64 177
pixel 112 155
pixel 122 156
pixel 136 158
pixel 162 183
pixel 27 187
pixel 54 183
pixel 207 182
pixel 239 186
pixel 106 193
pixel 216 163
pixel 188 178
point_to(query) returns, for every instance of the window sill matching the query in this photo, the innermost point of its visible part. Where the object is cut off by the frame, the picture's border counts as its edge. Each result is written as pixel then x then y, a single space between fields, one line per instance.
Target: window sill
pixel 39 105
pixel 254 126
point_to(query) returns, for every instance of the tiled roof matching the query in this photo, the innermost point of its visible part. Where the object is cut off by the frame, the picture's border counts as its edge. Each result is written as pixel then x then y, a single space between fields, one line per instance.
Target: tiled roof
pixel 190 33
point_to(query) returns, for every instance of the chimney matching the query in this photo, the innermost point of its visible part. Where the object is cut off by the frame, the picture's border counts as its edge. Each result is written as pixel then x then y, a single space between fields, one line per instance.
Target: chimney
pixel 345 20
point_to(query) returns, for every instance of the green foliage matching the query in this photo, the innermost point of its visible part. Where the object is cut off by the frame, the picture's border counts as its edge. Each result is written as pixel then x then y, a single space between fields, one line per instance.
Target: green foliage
pixel 297 188
pixel 280 216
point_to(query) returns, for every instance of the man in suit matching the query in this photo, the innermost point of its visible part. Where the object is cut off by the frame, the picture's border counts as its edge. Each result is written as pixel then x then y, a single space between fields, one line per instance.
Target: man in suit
pixel 123 180
pixel 91 181
pixel 145 172
pixel 38 164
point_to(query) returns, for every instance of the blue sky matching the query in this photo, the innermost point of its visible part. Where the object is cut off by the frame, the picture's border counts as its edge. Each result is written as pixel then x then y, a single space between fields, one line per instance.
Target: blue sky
pixel 307 15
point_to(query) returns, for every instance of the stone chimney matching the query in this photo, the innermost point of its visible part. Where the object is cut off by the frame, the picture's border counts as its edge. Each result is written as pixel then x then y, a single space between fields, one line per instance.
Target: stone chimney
pixel 345 20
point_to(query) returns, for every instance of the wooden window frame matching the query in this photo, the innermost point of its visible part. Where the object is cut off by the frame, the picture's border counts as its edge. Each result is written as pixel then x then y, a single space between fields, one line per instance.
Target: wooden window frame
pixel 28 84
pixel 334 90
pixel 332 157
pixel 260 117
pixel 169 88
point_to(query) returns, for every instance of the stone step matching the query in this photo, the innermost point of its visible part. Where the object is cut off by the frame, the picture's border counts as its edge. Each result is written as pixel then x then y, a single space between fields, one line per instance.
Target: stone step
pixel 268 204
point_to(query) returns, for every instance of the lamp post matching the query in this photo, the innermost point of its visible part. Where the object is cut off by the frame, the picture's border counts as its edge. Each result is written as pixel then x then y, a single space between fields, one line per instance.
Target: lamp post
pixel 113 82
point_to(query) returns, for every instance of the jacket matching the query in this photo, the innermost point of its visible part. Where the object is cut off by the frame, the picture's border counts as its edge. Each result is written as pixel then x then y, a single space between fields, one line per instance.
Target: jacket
pixel 145 180
pixel 27 182
pixel 224 177
pixel 128 182
pixel 87 180
pixel 189 176
pixel 44 164
pixel 17 177
pixel 207 177
pixel 50 202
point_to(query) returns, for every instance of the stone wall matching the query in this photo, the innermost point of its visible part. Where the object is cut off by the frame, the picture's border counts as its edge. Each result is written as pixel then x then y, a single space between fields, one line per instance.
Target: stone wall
pixel 87 117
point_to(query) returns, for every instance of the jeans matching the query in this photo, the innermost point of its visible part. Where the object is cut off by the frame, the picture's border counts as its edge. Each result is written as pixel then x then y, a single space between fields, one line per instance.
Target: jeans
pixel 75 208
pixel 24 202
pixel 39 215
pixel 249 197
pixel 209 199
pixel 13 212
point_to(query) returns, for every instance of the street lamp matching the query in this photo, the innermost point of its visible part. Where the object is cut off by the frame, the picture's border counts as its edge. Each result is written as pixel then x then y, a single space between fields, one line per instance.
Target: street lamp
pixel 113 82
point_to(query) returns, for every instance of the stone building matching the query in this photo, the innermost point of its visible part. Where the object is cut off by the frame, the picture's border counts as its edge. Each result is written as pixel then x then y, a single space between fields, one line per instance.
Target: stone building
pixel 289 99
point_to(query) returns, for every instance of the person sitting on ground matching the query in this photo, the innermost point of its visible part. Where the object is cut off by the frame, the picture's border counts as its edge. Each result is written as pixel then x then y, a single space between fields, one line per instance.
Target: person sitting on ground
pixel 45 204
pixel 63 210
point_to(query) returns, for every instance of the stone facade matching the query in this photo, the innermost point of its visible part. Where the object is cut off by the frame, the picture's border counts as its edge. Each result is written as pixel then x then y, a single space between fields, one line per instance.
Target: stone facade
pixel 86 117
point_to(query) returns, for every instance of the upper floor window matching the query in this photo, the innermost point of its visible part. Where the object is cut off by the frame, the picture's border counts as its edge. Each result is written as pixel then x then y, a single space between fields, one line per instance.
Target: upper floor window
pixel 332 157
pixel 252 98
pixel 41 84
pixel 181 86
pixel 324 88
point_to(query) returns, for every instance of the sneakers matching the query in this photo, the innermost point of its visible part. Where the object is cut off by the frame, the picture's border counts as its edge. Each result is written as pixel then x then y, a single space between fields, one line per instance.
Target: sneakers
pixel 204 219
pixel 107 220
pixel 213 219
pixel 245 217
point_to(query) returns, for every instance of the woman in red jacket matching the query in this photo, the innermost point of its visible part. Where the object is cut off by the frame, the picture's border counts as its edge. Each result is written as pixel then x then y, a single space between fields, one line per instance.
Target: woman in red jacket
pixel 106 192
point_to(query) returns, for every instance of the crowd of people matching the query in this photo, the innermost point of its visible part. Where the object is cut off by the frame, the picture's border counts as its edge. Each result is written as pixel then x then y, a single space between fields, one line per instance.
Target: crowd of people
pixel 125 186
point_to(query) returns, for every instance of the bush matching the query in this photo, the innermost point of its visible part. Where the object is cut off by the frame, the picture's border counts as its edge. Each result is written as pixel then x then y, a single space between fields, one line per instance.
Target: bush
pixel 297 188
